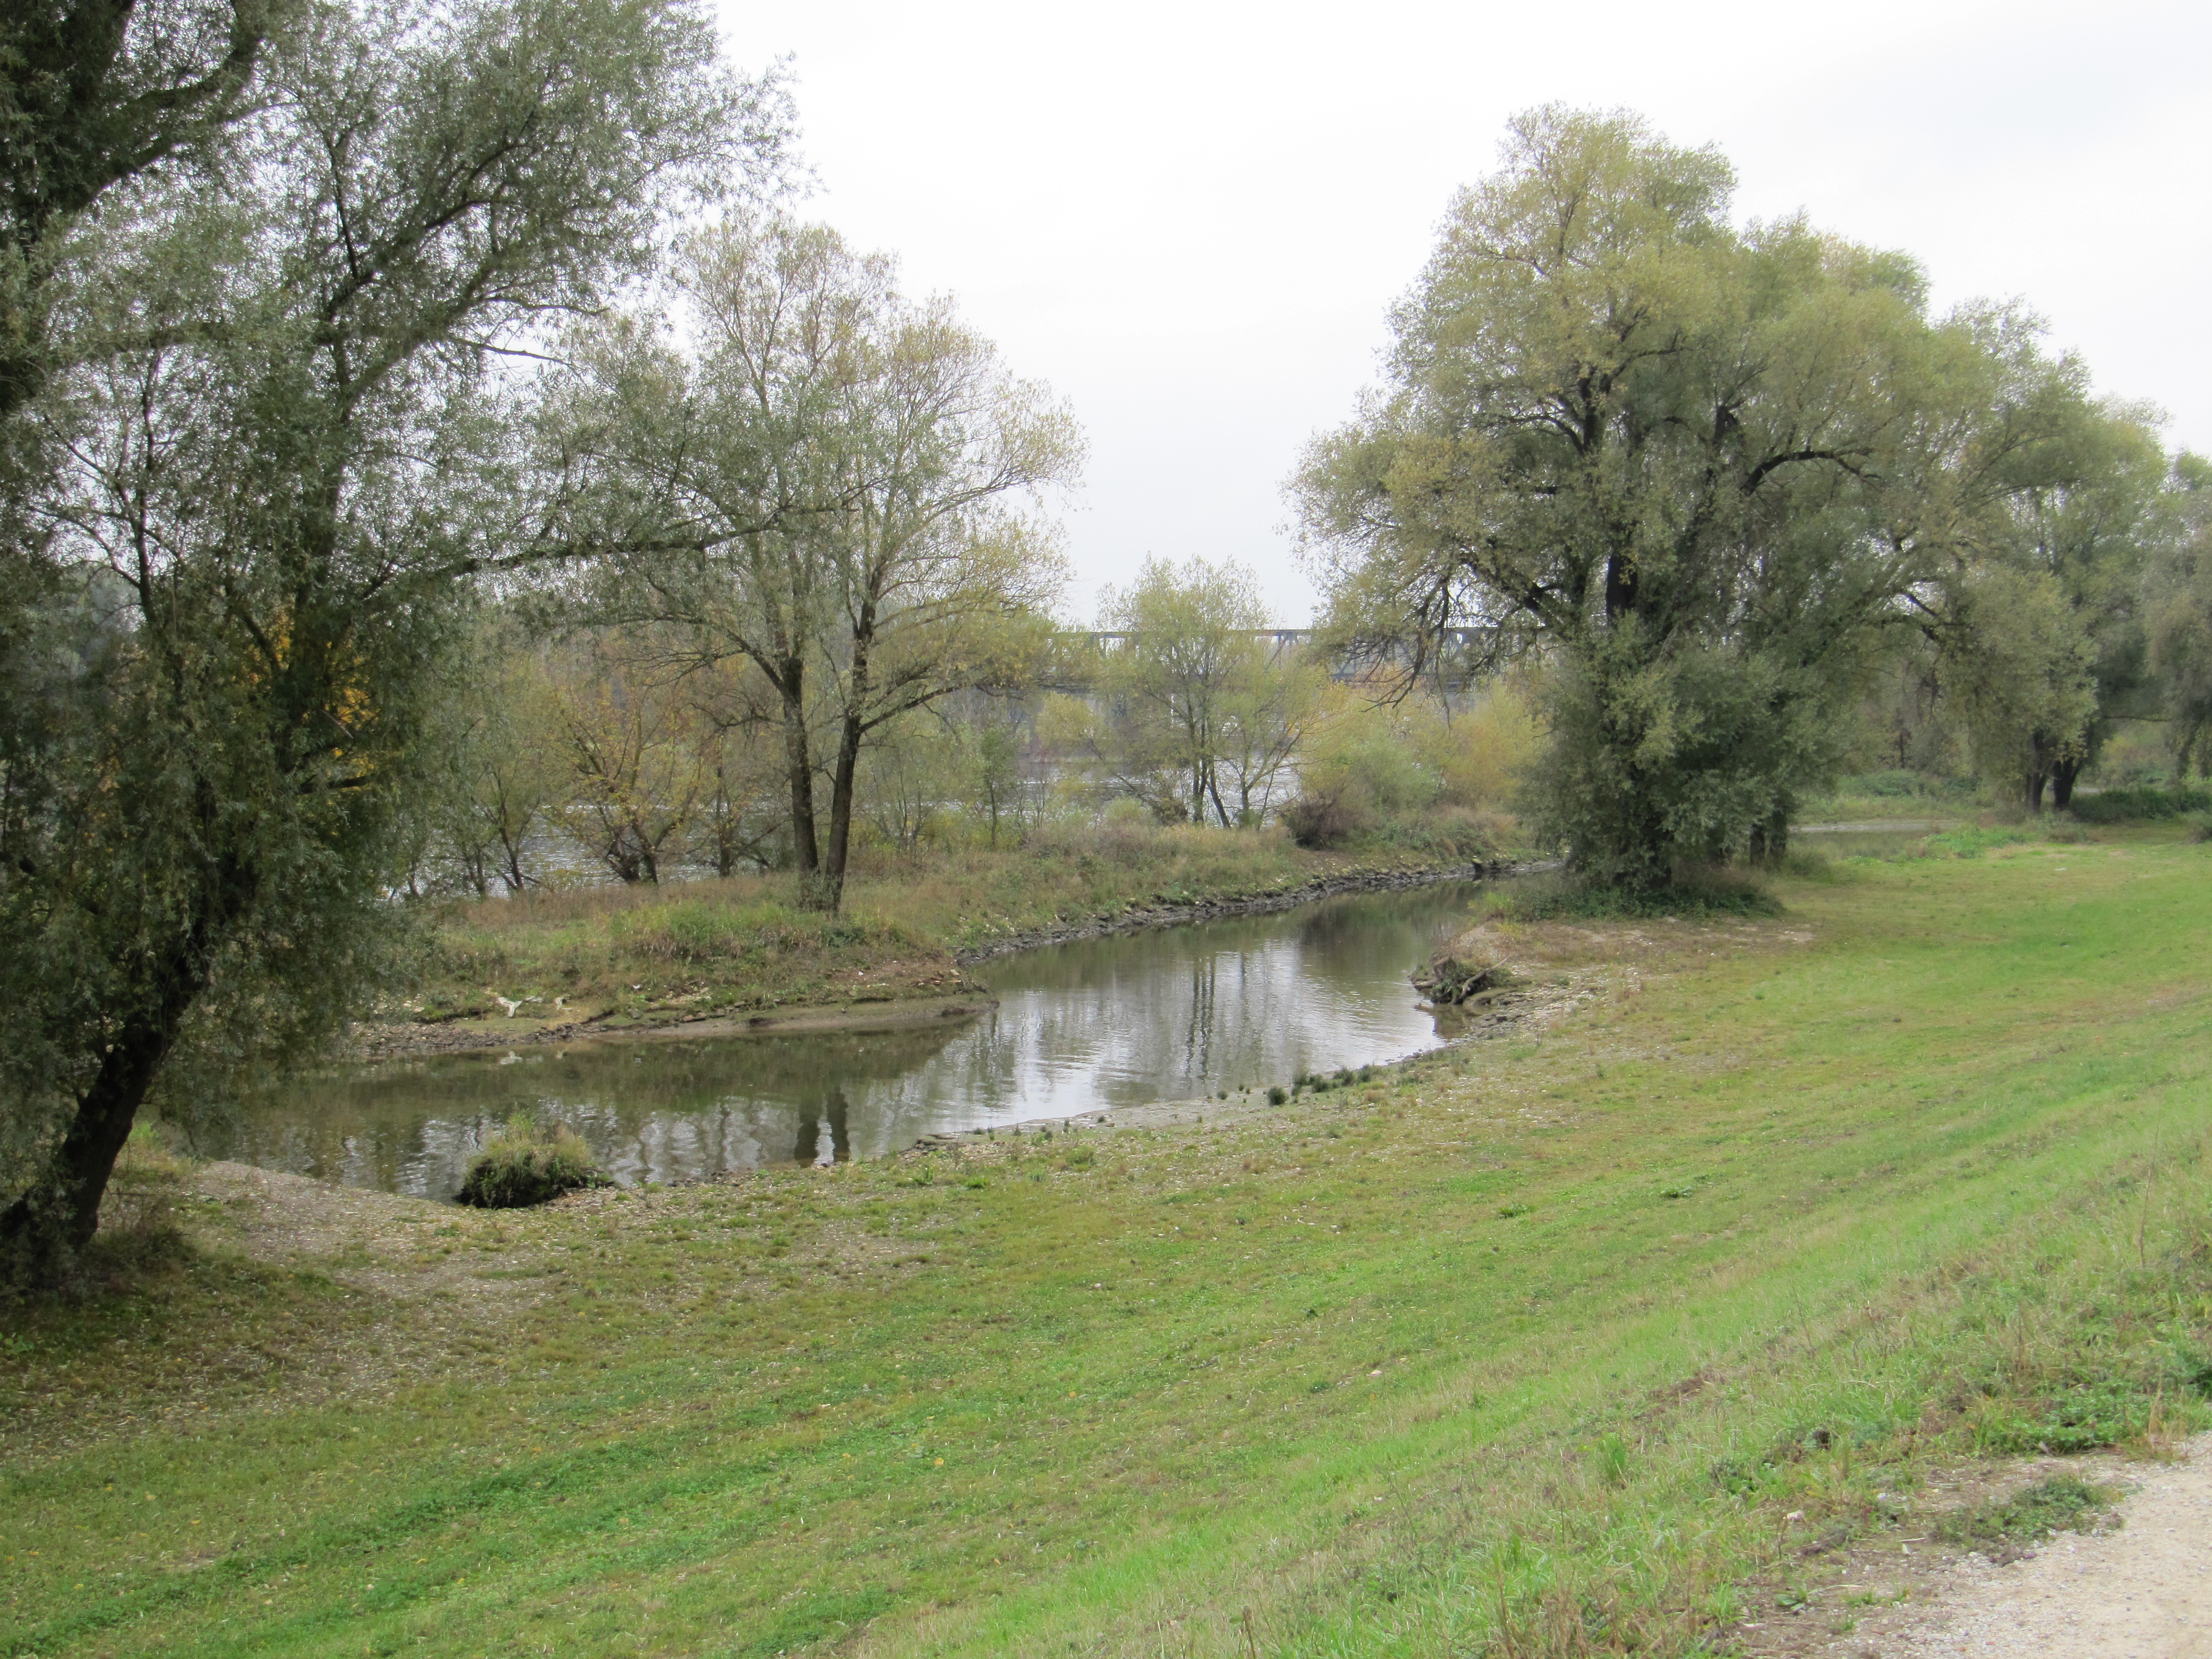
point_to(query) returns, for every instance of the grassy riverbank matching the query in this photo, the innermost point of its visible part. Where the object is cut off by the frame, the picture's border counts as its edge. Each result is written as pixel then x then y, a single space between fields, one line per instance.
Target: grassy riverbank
pixel 1545 1344
pixel 620 958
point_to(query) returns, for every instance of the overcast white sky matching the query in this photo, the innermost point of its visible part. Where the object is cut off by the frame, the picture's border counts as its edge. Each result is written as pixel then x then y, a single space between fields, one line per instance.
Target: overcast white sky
pixel 1189 219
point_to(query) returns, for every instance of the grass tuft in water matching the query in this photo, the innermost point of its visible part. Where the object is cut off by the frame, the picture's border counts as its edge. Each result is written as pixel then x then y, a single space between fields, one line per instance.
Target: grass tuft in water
pixel 523 1167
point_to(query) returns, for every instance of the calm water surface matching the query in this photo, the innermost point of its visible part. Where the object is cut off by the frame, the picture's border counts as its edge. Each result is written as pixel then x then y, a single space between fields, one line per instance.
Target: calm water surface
pixel 1170 1014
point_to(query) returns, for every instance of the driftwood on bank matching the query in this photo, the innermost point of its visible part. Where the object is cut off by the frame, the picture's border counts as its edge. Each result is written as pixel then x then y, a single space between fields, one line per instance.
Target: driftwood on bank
pixel 1469 966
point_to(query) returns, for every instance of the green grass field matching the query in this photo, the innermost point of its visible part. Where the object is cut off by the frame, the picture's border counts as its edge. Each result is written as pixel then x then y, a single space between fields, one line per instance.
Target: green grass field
pixel 1544 1345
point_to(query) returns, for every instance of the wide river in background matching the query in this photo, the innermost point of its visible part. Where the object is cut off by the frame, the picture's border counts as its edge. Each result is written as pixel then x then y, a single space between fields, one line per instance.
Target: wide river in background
pixel 1172 1013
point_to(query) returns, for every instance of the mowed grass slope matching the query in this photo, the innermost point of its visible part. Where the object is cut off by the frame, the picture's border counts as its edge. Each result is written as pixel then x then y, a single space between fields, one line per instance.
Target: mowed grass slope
pixel 1536 1345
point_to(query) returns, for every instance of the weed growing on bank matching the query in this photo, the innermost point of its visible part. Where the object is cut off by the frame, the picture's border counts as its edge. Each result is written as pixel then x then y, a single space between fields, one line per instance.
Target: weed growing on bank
pixel 1695 894
pixel 2139 805
pixel 2062 1503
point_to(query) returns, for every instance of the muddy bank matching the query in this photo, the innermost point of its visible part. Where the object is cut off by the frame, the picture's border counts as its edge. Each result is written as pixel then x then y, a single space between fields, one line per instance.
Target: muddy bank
pixel 1550 970
pixel 1533 1006
pixel 1139 917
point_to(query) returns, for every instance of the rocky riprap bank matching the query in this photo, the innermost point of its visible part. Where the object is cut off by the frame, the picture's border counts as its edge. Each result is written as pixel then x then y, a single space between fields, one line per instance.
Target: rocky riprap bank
pixel 1137 917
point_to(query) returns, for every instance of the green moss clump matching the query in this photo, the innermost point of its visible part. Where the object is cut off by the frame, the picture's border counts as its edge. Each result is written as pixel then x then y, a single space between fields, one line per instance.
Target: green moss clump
pixel 2061 1503
pixel 522 1168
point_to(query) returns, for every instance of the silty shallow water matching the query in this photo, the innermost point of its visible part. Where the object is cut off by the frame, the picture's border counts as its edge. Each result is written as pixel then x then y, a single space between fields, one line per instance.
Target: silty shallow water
pixel 1168 1014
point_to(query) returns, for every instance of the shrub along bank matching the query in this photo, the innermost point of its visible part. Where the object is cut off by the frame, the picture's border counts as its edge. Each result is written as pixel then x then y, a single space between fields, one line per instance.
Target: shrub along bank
pixel 2139 805
pixel 1545 1344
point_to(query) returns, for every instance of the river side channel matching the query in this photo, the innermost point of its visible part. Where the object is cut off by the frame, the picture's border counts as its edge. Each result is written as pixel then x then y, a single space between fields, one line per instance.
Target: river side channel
pixel 1085 1027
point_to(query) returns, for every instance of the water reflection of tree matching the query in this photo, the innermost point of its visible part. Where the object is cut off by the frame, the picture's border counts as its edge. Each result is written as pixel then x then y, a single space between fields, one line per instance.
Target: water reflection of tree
pixel 653 1110
pixel 1234 1003
pixel 1199 1019
pixel 833 1107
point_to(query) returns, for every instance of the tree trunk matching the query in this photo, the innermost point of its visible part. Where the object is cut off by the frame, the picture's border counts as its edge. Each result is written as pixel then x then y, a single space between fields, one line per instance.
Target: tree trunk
pixel 2045 756
pixel 47 1228
pixel 1770 838
pixel 1213 788
pixel 44 1231
pixel 2063 774
pixel 829 889
pixel 510 847
pixel 799 768
pixel 622 856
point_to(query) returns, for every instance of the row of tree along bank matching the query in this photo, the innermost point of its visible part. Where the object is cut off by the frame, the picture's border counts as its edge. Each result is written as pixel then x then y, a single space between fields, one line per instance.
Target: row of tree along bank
pixel 366 362
pixel 432 453
pixel 1723 481
pixel 604 753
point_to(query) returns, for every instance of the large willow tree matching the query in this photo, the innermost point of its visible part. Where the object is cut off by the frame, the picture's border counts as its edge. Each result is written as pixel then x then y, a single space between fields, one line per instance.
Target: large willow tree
pixel 94 93
pixel 282 463
pixel 1691 465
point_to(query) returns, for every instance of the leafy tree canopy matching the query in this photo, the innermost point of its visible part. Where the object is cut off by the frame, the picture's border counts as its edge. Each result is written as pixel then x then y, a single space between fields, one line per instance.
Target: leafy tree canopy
pixel 830 480
pixel 284 463
pixel 1690 463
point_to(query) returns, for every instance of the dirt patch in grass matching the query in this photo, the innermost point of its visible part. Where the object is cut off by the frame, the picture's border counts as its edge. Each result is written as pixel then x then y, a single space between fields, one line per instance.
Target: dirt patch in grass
pixel 271 1292
pixel 2083 1557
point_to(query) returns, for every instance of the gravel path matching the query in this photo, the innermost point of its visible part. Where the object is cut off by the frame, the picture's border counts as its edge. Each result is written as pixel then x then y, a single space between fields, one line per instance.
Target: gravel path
pixel 2143 1591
